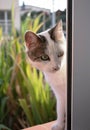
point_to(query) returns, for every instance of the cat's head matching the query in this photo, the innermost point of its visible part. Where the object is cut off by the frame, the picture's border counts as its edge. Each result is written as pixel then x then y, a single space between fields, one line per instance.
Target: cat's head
pixel 46 50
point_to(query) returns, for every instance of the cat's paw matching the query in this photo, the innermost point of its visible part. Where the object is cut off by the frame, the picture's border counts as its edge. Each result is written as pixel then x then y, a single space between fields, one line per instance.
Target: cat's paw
pixel 57 127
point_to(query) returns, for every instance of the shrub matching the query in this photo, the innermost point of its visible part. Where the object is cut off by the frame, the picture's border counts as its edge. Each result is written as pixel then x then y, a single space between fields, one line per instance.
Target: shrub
pixel 25 98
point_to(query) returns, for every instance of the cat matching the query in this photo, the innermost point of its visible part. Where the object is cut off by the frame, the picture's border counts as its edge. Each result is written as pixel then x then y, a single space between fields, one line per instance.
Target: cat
pixel 47 52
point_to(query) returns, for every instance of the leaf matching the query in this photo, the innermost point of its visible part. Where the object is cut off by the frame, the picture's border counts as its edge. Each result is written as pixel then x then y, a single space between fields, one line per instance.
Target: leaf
pixel 2 107
pixel 0 32
pixel 36 23
pixel 4 127
pixel 24 105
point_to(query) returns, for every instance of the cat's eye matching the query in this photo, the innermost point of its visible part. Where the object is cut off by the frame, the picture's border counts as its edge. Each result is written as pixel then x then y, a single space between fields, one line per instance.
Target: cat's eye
pixel 60 54
pixel 44 57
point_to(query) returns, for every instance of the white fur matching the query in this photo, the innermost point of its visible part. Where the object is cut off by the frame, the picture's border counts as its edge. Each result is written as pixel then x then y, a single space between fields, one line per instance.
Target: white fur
pixel 57 79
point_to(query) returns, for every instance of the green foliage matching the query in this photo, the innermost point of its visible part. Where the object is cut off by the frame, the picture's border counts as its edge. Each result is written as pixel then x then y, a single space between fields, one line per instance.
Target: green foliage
pixel 41 108
pixel 25 97
pixel 3 114
pixel 0 32
pixel 3 127
pixel 32 24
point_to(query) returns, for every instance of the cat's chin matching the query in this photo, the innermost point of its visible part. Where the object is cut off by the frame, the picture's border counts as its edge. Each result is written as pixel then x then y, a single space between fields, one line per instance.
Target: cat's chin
pixel 54 71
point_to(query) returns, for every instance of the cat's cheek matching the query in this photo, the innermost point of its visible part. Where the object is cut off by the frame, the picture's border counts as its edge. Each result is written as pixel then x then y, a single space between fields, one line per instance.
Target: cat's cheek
pixel 38 66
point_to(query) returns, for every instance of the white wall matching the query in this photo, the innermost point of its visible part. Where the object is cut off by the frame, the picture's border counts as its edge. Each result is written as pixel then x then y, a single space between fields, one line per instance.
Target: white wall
pixel 7 5
pixel 17 15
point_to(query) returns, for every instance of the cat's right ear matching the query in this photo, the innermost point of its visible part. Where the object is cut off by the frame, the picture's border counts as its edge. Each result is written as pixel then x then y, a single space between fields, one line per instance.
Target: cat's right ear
pixel 31 39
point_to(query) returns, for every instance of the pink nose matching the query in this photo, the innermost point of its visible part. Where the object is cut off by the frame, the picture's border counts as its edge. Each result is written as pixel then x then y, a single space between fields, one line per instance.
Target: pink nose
pixel 56 68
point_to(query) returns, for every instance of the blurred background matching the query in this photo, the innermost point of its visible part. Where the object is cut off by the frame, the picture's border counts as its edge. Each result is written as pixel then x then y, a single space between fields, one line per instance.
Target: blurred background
pixel 25 98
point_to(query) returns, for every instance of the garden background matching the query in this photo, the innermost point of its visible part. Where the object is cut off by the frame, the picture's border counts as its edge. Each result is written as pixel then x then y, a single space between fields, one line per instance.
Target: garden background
pixel 25 98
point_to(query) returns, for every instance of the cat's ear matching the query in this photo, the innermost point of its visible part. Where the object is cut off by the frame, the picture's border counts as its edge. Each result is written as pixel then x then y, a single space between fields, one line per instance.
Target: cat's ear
pixel 59 26
pixel 31 39
pixel 56 33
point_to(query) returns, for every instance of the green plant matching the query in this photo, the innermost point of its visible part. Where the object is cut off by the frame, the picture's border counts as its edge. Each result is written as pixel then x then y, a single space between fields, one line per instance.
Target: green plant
pixel 3 127
pixel 4 82
pixel 36 94
pixel 0 32
pixel 3 113
pixel 41 108
pixel 25 98
pixel 24 86
pixel 32 24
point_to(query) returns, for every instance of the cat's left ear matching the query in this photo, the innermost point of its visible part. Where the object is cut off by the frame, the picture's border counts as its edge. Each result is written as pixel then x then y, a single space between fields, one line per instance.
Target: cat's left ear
pixel 59 26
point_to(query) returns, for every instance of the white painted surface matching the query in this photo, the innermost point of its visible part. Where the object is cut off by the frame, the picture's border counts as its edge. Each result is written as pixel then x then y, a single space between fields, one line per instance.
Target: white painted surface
pixel 81 65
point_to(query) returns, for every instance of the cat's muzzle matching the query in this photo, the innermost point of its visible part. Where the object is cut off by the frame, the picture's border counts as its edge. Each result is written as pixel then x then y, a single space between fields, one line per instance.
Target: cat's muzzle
pixel 56 68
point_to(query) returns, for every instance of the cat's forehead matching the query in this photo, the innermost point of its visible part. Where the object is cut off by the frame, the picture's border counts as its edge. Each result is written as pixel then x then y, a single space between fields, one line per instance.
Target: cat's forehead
pixel 48 39
pixel 51 46
pixel 50 35
pixel 44 36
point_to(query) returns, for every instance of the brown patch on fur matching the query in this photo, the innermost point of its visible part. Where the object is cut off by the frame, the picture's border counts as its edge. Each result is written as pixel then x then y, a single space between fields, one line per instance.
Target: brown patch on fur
pixel 51 32
pixel 36 52
pixel 36 45
pixel 43 38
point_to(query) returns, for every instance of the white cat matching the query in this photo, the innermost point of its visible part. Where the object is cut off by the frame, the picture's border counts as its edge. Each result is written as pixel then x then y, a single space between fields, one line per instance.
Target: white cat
pixel 47 52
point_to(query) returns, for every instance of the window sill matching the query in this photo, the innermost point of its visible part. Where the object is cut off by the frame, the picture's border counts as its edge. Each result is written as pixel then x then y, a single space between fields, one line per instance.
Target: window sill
pixel 46 126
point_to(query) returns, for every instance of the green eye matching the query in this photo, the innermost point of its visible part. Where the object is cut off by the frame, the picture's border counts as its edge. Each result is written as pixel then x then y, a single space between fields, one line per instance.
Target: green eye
pixel 45 57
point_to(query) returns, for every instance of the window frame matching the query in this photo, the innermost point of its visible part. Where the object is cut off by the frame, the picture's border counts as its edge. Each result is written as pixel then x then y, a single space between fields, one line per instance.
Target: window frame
pixel 69 63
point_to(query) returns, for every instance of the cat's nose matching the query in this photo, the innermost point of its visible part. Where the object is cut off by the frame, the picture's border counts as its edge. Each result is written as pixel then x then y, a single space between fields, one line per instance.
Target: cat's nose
pixel 56 68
